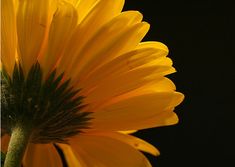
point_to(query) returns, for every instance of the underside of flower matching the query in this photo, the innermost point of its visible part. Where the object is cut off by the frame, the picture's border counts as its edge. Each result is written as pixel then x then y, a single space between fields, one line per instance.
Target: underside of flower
pixel 70 65
pixel 52 108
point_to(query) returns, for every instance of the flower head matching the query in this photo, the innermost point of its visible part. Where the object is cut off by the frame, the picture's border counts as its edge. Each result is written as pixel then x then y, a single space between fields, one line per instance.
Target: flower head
pixel 76 75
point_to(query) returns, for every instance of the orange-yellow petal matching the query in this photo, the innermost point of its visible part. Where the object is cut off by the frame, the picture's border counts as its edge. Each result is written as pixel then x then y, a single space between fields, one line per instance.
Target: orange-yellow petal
pixel 128 131
pixel 71 159
pixel 118 84
pixel 85 6
pixel 102 151
pixel 123 63
pixel 63 23
pixel 127 114
pixel 33 21
pixel 165 118
pixel 111 45
pixel 41 155
pixel 8 35
pixel 101 12
pixel 130 140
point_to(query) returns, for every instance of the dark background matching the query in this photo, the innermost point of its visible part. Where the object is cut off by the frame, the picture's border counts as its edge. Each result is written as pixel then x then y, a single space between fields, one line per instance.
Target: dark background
pixel 200 37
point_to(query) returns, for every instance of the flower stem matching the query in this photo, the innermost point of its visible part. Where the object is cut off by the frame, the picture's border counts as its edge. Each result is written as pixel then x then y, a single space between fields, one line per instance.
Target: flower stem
pixel 17 146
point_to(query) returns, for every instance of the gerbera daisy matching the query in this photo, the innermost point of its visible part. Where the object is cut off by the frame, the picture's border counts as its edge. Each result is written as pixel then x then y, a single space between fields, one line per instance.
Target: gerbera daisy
pixel 77 80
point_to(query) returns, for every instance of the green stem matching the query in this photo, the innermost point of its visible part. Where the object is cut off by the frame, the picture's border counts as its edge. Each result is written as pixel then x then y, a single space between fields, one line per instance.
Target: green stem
pixel 17 146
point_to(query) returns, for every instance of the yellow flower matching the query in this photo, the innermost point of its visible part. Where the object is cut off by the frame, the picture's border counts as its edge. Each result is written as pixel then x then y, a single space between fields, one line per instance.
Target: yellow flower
pixel 77 74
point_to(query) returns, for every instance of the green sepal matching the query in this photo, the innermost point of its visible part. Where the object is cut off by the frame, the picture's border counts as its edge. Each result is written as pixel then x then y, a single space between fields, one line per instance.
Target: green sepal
pixel 51 106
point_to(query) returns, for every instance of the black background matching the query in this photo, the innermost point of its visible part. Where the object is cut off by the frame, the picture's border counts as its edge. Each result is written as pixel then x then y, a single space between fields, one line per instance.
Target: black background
pixel 200 37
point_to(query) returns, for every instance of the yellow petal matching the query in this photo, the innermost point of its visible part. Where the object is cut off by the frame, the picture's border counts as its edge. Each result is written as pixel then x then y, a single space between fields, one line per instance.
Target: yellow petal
pixel 62 26
pixel 105 34
pixel 162 61
pixel 159 84
pixel 128 131
pixel 102 151
pixel 124 63
pixel 33 20
pixel 165 118
pixel 41 155
pixel 72 159
pixel 74 2
pixel 84 7
pixel 116 85
pixel 8 35
pixel 127 114
pixel 153 44
pixel 101 13
pixel 111 45
pixel 130 140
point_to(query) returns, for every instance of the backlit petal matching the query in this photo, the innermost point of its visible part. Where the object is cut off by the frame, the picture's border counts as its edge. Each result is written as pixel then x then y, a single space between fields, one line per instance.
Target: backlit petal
pixel 41 155
pixel 8 35
pixel 111 29
pixel 72 159
pixel 102 151
pixel 123 63
pixel 63 23
pixel 128 114
pixel 130 140
pixel 122 82
pixel 101 13
pixel 128 131
pixel 33 20
pixel 112 44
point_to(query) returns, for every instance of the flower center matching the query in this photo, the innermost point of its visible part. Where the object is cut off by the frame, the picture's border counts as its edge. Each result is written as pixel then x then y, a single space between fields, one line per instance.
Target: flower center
pixel 52 107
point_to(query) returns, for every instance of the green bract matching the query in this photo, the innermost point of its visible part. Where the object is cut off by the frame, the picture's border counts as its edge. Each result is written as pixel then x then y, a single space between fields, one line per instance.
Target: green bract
pixel 52 107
